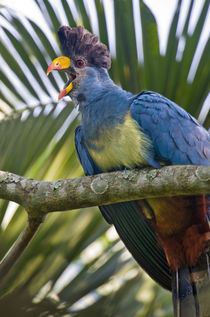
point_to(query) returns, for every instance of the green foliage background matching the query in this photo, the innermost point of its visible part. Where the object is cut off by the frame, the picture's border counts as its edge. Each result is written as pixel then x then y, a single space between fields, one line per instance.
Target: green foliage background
pixel 76 265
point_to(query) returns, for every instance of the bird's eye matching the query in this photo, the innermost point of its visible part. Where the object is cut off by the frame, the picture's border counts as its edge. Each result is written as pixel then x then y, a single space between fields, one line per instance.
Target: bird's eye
pixel 80 63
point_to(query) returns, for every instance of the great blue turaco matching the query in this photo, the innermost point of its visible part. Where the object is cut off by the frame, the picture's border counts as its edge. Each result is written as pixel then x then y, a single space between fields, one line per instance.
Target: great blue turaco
pixel 168 237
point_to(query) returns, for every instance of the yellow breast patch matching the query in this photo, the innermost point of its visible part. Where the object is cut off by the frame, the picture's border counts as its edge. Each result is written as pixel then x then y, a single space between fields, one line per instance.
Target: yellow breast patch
pixel 123 145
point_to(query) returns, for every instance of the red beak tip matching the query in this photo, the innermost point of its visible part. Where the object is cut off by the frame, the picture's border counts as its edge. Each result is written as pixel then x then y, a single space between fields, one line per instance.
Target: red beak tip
pixel 50 68
pixel 48 71
pixel 62 94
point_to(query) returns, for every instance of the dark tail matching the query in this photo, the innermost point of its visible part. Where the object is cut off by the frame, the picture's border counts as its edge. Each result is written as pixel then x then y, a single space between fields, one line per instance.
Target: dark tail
pixel 191 289
pixel 140 239
pixel 191 286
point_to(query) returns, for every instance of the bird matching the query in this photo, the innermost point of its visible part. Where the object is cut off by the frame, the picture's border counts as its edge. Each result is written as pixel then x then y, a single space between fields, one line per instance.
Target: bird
pixel 169 236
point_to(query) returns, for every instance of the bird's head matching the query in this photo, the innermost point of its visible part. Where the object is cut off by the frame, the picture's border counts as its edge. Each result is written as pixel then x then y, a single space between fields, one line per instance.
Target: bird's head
pixel 82 50
pixel 74 68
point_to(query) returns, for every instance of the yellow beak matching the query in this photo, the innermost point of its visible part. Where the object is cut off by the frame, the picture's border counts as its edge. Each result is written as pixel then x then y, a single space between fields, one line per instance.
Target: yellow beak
pixel 61 63
pixel 65 91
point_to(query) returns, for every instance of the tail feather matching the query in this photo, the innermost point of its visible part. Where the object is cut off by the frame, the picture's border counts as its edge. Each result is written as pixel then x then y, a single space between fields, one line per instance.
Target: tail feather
pixel 191 289
pixel 140 239
pixel 190 285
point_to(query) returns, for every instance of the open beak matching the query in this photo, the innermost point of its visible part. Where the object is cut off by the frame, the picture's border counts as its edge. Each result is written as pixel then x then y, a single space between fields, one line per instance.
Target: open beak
pixel 65 91
pixel 62 63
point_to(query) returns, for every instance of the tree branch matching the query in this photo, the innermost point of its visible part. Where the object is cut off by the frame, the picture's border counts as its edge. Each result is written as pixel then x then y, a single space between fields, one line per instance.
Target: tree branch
pixel 18 248
pixel 40 197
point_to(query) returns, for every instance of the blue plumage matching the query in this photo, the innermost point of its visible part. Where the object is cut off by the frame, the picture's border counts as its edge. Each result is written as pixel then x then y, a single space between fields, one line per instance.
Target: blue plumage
pixel 147 254
pixel 121 130
pixel 177 137
pixel 87 163
pixel 173 135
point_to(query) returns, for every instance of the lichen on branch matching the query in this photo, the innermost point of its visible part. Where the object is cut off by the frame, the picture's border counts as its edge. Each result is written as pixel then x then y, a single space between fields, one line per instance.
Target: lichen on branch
pixel 40 197
pixel 102 189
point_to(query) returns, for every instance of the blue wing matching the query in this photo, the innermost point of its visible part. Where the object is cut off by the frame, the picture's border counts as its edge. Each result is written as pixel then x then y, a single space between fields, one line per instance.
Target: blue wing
pixel 89 167
pixel 135 232
pixel 177 137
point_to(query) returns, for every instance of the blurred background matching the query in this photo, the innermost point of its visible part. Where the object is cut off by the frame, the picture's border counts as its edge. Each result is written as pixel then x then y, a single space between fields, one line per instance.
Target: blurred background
pixel 76 264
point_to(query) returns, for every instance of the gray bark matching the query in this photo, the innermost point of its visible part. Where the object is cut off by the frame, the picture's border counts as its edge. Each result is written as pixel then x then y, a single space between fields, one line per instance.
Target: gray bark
pixel 40 198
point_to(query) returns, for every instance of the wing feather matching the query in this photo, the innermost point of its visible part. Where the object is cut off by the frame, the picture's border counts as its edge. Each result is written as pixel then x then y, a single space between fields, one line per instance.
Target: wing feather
pixel 134 230
pixel 177 137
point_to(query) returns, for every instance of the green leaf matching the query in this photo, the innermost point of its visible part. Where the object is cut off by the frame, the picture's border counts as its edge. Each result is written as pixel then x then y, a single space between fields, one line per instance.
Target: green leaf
pixel 39 143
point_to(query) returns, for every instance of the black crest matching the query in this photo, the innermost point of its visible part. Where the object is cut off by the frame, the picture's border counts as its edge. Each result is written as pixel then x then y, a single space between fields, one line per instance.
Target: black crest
pixel 78 41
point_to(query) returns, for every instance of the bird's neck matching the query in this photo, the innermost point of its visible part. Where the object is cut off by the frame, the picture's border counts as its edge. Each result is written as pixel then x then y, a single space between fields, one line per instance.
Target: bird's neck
pixel 102 103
